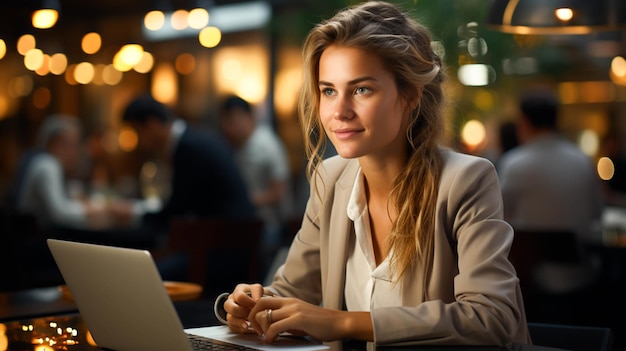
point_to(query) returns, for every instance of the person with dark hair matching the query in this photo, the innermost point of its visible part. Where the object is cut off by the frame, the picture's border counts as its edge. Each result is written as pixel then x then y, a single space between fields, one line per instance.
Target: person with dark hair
pixel 205 180
pixel 507 136
pixel 262 159
pixel 403 240
pixel 548 183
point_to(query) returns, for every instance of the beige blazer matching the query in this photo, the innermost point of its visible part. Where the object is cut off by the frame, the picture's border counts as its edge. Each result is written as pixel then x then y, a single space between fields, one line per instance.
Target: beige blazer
pixel 472 300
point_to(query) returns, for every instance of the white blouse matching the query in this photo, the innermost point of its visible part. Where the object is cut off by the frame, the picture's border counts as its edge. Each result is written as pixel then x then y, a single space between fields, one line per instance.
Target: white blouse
pixel 367 286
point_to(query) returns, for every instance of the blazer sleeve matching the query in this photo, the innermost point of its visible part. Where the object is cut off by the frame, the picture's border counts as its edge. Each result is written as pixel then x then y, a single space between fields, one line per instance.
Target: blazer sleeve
pixel 315 265
pixel 486 306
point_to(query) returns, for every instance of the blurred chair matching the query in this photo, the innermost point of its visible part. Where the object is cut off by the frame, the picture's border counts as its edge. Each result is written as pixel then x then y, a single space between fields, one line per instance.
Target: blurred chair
pixel 220 252
pixel 291 227
pixel 556 276
pixel 571 337
pixel 24 255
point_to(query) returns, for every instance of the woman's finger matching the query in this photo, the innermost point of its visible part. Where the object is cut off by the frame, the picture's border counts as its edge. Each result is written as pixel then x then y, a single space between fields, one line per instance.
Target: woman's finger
pixel 238 325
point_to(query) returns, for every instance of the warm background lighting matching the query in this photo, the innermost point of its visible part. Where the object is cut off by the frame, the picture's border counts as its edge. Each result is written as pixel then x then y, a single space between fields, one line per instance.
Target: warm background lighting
pixel 473 133
pixel 26 43
pixel 69 75
pixel 45 18
pixel 3 48
pixel 185 63
pixel 564 14
pixel 242 70
pixel 4 111
pixel 198 18
pixel 111 76
pixel 21 86
pixel 606 168
pixel 165 84
pixel 33 59
pixel 127 57
pixel 45 66
pixel 145 64
pixel 42 97
pixel 154 20
pixel 97 76
pixel 58 63
pixel 618 66
pixel 84 73
pixel 209 37
pixel 127 139
pixel 91 43
pixel 288 82
pixel 179 19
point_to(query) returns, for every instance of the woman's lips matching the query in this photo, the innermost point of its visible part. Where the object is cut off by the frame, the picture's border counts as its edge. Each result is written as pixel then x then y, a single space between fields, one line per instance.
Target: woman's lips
pixel 343 134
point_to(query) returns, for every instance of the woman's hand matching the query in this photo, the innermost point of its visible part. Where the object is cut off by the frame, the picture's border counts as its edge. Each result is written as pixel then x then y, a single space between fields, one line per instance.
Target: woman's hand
pixel 239 305
pixel 273 315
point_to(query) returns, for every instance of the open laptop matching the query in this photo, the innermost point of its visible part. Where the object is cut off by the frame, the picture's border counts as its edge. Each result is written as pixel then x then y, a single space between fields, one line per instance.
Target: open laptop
pixel 121 297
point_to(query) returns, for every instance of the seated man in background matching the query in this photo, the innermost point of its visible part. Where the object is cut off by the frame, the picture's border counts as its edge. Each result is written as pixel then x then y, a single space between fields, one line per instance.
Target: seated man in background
pixel 204 182
pixel 41 188
pixel 549 184
pixel 261 157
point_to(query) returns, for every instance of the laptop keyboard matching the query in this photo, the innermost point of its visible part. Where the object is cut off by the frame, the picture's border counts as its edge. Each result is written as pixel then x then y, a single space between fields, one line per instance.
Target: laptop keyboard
pixel 201 343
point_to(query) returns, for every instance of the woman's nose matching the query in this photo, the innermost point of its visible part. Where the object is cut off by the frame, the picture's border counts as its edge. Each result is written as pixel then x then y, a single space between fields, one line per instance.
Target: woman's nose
pixel 343 108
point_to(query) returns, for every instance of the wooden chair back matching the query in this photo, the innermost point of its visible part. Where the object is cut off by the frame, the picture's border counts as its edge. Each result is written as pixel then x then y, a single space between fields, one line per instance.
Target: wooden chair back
pixel 221 252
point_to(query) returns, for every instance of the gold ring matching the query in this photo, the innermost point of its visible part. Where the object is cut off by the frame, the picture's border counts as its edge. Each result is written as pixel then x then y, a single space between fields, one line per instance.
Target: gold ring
pixel 268 315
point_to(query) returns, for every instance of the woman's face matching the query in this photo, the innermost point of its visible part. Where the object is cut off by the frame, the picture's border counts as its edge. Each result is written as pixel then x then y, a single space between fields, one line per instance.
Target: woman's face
pixel 360 107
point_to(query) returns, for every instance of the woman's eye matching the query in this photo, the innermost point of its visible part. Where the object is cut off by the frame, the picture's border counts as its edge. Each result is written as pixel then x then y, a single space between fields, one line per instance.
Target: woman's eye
pixel 328 92
pixel 362 90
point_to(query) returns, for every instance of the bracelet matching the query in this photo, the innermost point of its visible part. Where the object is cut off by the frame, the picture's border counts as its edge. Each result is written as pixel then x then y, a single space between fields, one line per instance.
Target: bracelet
pixel 218 308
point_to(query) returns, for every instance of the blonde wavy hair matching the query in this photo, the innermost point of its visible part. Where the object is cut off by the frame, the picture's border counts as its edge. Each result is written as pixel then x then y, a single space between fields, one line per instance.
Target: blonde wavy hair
pixel 404 46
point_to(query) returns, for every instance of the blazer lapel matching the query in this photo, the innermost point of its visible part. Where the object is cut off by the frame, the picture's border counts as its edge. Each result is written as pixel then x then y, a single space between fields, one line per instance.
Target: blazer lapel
pixel 340 229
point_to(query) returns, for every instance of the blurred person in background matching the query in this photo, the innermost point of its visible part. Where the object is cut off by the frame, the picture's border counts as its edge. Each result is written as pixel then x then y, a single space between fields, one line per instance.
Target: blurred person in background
pixel 41 186
pixel 204 182
pixel 262 159
pixel 548 183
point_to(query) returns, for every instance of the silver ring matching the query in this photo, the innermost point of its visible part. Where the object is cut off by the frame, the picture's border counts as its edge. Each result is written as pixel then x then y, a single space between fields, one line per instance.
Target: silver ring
pixel 268 315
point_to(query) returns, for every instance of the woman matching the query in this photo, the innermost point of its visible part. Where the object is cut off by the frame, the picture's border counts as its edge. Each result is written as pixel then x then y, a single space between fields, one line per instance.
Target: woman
pixel 402 240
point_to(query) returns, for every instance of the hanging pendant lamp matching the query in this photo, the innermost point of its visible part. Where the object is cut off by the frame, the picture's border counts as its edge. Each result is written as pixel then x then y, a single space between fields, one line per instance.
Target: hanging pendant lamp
pixel 556 16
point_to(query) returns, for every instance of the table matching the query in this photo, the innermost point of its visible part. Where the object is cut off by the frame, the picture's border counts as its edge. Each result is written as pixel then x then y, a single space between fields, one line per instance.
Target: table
pixel 37 317
pixel 69 332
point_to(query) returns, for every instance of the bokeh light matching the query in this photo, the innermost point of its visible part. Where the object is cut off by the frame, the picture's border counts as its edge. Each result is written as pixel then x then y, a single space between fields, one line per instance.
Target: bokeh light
pixel 154 20
pixel 473 133
pixel 145 64
pixel 179 19
pixel 606 168
pixel 111 76
pixel 91 43
pixel 210 37
pixel 3 48
pixel 58 63
pixel 84 73
pixel 127 139
pixel 33 59
pixel 45 18
pixel 198 18
pixel 26 43
pixel 185 63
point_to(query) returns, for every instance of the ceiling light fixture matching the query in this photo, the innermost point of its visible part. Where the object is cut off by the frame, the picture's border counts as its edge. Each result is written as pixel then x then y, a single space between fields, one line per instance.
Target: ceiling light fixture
pixel 556 16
